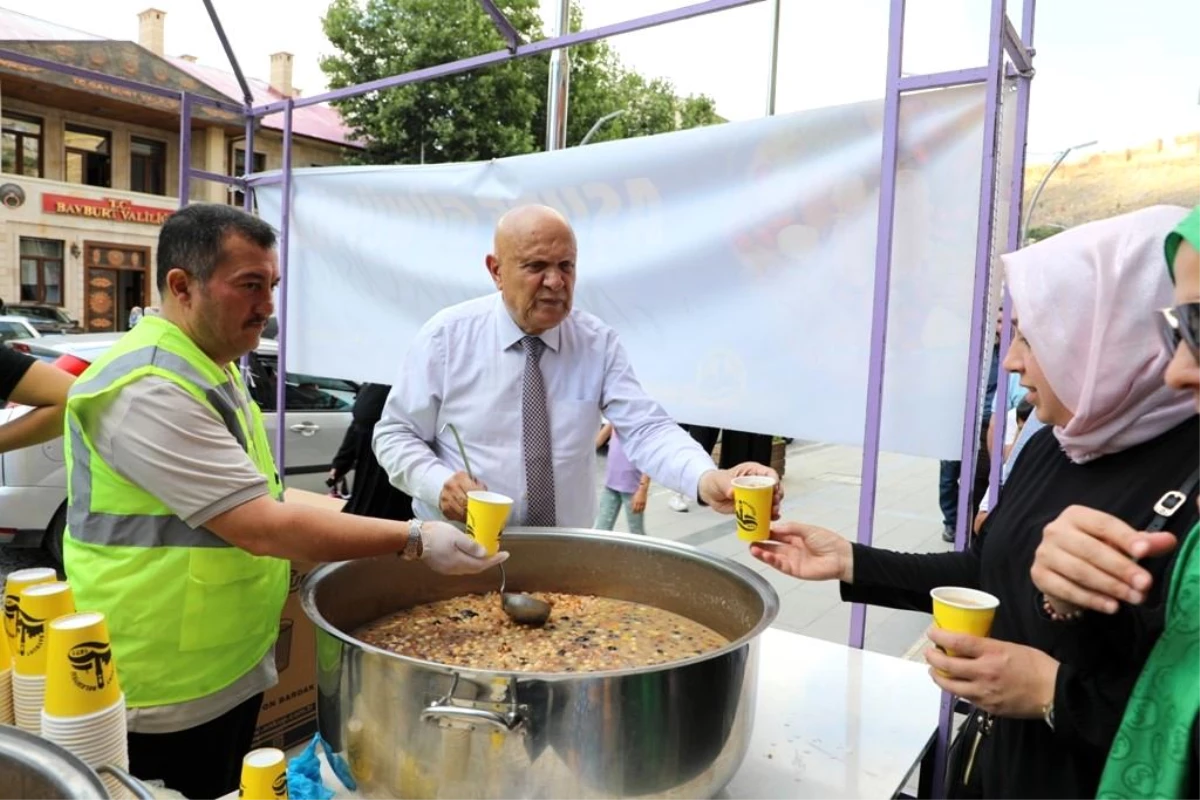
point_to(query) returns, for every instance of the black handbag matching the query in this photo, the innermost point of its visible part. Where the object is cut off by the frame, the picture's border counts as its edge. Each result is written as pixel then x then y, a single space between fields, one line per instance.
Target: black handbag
pixel 963 776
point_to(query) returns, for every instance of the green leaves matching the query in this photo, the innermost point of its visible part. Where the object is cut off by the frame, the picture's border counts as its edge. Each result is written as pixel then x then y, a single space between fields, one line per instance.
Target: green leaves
pixel 486 113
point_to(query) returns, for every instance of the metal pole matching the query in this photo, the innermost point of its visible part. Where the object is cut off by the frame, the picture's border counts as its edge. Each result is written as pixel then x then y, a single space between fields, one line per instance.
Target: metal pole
pixel 284 231
pixel 523 51
pixel 587 137
pixel 1037 193
pixel 883 283
pixel 233 62
pixel 981 330
pixel 1014 238
pixel 773 73
pixel 248 163
pixel 185 149
pixel 560 85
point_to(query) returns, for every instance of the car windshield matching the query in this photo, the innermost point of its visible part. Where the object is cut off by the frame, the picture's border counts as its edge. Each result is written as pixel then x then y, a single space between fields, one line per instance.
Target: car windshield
pixel 42 312
pixel 33 311
pixel 13 330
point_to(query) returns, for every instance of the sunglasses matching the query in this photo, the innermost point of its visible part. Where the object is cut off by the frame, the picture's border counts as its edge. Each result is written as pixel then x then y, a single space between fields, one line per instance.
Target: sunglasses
pixel 1181 324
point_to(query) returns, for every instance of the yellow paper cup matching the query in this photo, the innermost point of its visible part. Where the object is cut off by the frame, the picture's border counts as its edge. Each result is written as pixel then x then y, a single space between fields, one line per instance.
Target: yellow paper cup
pixel 963 610
pixel 753 497
pixel 487 514
pixel 264 775
pixel 12 590
pixel 37 607
pixel 80 675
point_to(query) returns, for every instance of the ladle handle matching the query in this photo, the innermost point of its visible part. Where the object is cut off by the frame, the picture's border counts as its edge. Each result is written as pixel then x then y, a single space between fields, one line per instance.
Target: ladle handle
pixel 506 722
pixel 462 450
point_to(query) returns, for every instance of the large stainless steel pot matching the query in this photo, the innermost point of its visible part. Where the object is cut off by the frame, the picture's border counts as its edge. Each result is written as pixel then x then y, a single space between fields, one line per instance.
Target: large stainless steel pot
pixel 32 768
pixel 413 728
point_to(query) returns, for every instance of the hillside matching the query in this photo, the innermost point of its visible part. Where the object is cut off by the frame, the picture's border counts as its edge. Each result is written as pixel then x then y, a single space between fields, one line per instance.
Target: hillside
pixel 1106 184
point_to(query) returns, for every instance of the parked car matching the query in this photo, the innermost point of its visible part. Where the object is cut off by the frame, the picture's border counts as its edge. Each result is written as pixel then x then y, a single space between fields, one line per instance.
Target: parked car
pixel 46 318
pixel 14 328
pixel 33 483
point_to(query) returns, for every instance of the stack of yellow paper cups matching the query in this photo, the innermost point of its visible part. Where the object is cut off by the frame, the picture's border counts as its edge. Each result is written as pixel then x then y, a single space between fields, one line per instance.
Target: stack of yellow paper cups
pixel 85 709
pixel 13 585
pixel 264 775
pixel 37 606
pixel 6 698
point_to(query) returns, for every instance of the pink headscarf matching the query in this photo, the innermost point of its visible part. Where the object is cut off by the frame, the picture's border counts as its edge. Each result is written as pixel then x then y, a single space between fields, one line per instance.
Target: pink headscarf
pixel 1085 300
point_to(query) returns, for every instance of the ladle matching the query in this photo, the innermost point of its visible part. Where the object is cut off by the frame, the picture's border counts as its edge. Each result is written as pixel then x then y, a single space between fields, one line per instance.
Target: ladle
pixel 522 609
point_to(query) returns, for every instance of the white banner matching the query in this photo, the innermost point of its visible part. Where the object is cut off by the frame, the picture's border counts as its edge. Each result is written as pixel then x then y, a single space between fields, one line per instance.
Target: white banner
pixel 736 262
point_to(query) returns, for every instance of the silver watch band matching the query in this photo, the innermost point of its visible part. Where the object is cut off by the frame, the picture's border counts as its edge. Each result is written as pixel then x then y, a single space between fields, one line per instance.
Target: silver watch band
pixel 414 547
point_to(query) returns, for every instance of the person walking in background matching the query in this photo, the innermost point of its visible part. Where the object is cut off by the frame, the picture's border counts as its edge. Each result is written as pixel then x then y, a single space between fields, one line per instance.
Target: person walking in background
pixel 623 485
pixel 950 472
pixel 373 494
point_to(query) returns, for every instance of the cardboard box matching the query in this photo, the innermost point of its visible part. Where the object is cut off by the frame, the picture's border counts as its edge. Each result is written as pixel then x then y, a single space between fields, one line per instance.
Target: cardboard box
pixel 289 711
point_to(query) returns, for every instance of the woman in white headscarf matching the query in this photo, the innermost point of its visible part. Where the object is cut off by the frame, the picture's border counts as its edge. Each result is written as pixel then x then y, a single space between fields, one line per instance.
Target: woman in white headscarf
pixel 1116 440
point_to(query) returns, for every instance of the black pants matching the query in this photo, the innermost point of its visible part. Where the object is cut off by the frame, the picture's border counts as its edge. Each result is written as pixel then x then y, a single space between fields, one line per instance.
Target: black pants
pixel 202 762
pixel 736 446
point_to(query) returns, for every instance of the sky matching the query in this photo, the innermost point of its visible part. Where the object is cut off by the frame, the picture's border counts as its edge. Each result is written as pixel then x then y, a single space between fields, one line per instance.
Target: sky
pixel 1102 73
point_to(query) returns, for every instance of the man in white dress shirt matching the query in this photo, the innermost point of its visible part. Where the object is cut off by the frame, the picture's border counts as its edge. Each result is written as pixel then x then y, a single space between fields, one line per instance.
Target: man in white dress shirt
pixel 525 380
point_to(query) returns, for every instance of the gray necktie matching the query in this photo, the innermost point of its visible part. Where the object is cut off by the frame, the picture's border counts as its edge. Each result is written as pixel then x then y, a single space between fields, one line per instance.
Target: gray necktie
pixel 535 438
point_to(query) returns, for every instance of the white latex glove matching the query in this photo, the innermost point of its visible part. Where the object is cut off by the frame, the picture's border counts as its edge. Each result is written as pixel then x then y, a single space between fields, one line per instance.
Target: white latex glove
pixel 449 551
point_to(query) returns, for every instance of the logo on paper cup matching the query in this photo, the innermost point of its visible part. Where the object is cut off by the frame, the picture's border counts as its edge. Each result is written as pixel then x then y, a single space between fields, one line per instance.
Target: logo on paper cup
pixel 470 524
pixel 279 787
pixel 31 634
pixel 11 604
pixel 745 516
pixel 91 665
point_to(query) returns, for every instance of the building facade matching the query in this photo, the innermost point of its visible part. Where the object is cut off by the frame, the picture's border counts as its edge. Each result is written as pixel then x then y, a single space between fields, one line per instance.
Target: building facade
pixel 89 171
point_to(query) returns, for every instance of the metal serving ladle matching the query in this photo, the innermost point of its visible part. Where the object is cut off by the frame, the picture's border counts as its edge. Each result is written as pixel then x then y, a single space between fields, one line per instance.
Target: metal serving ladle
pixel 522 609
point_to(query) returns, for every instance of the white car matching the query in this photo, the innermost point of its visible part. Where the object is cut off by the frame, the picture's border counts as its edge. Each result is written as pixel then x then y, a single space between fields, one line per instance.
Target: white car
pixel 14 328
pixel 33 480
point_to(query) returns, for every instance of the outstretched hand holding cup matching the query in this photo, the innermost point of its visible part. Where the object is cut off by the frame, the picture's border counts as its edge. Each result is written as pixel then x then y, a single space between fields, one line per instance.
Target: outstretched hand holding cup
pixel 753 501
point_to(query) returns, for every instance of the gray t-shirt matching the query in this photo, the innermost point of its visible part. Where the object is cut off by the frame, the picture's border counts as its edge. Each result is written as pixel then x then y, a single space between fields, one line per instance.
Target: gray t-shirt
pixel 161 438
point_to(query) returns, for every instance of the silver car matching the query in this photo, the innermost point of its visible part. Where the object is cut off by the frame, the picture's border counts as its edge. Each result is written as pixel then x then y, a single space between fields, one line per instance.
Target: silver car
pixel 33 481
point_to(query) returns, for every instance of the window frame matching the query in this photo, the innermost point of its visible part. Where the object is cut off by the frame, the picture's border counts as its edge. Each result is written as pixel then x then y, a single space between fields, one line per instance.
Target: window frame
pixel 41 262
pixel 40 138
pixel 74 127
pixel 160 168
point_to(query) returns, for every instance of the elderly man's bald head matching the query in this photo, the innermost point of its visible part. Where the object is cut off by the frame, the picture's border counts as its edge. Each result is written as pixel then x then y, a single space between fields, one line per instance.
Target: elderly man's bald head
pixel 533 266
pixel 523 221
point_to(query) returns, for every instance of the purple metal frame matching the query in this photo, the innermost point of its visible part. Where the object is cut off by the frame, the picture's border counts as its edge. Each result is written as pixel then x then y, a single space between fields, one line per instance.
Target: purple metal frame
pixel 1003 39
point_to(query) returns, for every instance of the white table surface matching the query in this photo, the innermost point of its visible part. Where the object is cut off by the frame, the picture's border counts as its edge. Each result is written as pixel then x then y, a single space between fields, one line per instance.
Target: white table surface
pixel 830 722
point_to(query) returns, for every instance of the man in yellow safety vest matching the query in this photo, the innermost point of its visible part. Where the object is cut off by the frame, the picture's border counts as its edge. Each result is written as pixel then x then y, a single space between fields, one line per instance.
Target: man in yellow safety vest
pixel 173 526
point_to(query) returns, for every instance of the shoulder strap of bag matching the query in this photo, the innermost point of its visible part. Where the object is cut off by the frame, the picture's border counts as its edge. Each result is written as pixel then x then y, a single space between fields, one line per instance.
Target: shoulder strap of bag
pixel 1171 502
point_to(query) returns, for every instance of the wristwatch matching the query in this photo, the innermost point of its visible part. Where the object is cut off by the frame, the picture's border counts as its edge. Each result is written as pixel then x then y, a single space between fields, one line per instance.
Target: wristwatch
pixel 414 547
pixel 1048 714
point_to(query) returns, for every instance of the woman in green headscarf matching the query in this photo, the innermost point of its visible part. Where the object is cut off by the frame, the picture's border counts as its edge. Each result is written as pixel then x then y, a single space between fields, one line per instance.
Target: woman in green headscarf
pixel 1088 563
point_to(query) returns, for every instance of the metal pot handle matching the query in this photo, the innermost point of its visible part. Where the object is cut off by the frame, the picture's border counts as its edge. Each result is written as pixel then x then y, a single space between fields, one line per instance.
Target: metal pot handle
pixel 442 708
pixel 139 789
pixel 507 722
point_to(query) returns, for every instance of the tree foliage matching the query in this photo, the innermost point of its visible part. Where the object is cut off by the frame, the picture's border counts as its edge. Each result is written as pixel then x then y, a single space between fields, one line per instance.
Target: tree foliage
pixel 495 111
